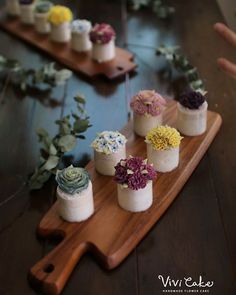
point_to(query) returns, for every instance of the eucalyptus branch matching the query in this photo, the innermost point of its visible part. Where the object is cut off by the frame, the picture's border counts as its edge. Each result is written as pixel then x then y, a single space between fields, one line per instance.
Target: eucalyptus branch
pixel 162 10
pixel 25 78
pixel 180 62
pixel 53 149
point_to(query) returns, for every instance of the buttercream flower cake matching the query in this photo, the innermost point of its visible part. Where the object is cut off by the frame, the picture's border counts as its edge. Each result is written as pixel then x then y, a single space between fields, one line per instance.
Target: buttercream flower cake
pixel 148 102
pixel 134 173
pixel 72 180
pixel 59 14
pixel 74 194
pixel 163 137
pixel 192 100
pixel 102 34
pixel 108 142
pixel 81 26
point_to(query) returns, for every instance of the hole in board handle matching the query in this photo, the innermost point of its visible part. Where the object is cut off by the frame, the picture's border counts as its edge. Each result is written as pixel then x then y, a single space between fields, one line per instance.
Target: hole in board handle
pixel 49 268
pixel 120 68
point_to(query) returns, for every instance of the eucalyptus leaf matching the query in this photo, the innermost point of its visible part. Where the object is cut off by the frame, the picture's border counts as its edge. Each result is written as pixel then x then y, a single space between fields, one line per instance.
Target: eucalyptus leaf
pixel 67 143
pixel 180 62
pixel 80 99
pixel 51 163
pixel 41 132
pixel 62 76
pixel 46 75
pixel 53 148
pixel 159 7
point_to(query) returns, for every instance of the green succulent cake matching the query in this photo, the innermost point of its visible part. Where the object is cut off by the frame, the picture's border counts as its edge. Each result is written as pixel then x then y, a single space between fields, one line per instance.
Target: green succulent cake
pixel 72 180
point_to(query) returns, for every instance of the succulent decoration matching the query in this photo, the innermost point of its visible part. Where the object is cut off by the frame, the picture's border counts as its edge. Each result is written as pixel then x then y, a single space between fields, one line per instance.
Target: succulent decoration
pixel 72 180
pixel 46 75
pixel 71 128
pixel 159 7
pixel 43 6
pixel 180 62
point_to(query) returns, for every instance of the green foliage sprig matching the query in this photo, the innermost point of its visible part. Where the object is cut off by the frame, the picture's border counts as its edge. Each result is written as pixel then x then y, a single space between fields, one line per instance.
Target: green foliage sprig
pixel 162 10
pixel 71 128
pixel 180 62
pixel 46 75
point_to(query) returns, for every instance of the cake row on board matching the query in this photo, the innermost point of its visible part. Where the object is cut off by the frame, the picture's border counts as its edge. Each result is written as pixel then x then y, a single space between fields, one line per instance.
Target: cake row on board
pixel 134 175
pixel 57 21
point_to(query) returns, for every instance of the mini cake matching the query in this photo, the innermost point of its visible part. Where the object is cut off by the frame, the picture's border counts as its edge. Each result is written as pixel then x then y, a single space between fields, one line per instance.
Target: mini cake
pixel 148 107
pixel 13 7
pixel 192 114
pixel 42 24
pixel 74 194
pixel 109 148
pixel 80 35
pixel 27 11
pixel 60 18
pixel 163 148
pixel 134 177
pixel 103 39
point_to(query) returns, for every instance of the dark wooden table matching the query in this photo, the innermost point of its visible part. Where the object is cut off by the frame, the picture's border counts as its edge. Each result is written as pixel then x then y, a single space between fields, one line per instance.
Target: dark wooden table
pixel 197 235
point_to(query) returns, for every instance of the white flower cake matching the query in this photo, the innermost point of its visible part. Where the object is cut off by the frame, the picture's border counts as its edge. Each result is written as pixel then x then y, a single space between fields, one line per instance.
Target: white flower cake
pixel 80 35
pixel 109 148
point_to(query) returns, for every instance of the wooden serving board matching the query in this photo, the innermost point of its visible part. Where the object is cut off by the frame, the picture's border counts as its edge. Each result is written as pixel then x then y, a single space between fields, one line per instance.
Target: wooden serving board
pixel 112 233
pixel 79 62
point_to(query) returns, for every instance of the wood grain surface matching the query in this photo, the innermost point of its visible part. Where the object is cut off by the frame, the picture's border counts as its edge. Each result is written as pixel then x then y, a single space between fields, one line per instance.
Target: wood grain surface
pixel 81 63
pixel 112 233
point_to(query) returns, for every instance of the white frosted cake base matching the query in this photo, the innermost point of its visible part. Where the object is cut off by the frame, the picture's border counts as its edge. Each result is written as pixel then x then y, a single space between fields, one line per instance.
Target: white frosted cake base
pixel 27 14
pixel 163 160
pixel 13 7
pixel 103 52
pixel 81 42
pixel 192 122
pixel 41 23
pixel 104 164
pixel 61 33
pixel 77 207
pixel 135 201
pixel 143 124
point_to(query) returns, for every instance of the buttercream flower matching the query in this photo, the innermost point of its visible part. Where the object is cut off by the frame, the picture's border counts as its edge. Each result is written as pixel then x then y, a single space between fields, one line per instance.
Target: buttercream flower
pixel 134 173
pixel 43 6
pixel 72 180
pixel 148 102
pixel 108 142
pixel 81 26
pixel 26 2
pixel 102 33
pixel 59 14
pixel 139 107
pixel 192 100
pixel 163 137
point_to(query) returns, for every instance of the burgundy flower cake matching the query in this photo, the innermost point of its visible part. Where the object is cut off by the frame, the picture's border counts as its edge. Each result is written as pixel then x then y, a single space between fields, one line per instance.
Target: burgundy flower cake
pixel 103 38
pixel 192 100
pixel 134 173
pixel 134 177
pixel 102 33
pixel 192 113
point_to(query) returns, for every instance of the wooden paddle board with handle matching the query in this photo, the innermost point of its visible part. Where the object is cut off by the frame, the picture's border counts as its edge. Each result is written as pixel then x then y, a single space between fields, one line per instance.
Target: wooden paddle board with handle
pixel 112 233
pixel 81 63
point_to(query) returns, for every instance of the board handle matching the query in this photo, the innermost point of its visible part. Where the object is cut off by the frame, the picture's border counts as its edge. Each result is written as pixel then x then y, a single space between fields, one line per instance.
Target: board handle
pixel 52 272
